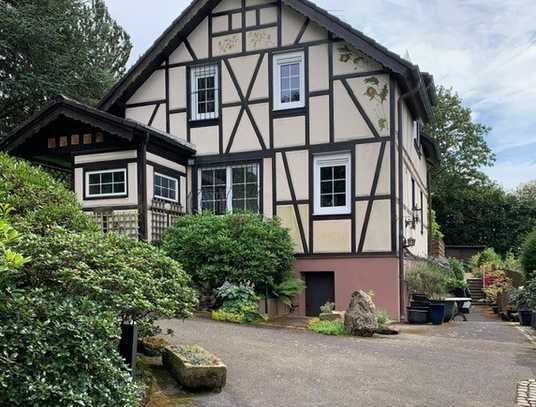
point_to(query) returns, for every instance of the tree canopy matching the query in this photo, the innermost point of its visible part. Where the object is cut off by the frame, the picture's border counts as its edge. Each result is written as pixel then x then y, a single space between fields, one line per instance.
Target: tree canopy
pixel 470 207
pixel 51 47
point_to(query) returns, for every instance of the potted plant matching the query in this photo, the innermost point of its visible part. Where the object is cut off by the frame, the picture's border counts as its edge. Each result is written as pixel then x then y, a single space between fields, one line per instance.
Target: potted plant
pixel 428 279
pixel 521 299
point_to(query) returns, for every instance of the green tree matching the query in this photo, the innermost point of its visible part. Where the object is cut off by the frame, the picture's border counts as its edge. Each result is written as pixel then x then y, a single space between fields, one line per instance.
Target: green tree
pixel 461 143
pixel 51 47
pixel 470 208
pixel 528 254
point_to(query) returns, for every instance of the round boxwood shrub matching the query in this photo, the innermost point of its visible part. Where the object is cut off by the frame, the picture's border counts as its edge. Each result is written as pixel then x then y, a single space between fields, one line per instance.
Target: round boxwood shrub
pixel 528 254
pixel 239 248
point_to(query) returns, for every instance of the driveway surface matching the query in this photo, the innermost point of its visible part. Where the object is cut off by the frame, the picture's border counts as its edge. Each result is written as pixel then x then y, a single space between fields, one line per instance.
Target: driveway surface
pixel 474 363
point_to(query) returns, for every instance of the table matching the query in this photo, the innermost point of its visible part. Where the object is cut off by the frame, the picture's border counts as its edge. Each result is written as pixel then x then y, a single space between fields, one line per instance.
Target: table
pixel 459 305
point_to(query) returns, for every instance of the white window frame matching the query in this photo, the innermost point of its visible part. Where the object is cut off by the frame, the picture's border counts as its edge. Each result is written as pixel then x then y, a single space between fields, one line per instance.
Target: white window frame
pixel 204 71
pixel 278 61
pixel 173 179
pixel 228 184
pixel 416 131
pixel 119 194
pixel 332 160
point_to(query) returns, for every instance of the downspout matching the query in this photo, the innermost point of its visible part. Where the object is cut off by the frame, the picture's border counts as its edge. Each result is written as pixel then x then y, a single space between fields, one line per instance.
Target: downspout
pixel 401 228
pixel 142 188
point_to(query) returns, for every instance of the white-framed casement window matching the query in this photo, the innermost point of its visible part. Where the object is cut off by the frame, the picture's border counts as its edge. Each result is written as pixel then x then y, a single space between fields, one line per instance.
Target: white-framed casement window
pixel 165 187
pixel 289 80
pixel 204 85
pixel 417 128
pixel 229 188
pixel 332 184
pixel 106 183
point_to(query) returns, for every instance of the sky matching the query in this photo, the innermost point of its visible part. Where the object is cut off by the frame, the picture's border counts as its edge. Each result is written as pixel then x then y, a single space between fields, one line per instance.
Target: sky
pixel 484 49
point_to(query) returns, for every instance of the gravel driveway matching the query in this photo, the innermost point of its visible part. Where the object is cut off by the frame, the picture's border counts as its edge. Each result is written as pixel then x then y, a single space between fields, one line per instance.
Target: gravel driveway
pixel 475 363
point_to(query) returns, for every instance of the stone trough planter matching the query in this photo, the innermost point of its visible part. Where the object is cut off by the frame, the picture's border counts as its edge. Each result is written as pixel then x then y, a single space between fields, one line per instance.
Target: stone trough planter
pixel 194 367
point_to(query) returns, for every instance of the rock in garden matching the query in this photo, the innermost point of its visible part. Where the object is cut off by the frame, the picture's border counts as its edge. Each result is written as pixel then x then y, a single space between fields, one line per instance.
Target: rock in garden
pixel 360 317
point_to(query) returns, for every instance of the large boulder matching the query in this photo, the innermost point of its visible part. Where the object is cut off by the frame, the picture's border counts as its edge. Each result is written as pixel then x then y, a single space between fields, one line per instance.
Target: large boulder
pixel 360 317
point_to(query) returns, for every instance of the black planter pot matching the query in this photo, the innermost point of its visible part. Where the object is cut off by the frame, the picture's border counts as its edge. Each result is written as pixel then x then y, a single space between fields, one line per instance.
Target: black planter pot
pixel 417 315
pixel 533 321
pixel 449 311
pixel 495 309
pixel 437 313
pixel 525 317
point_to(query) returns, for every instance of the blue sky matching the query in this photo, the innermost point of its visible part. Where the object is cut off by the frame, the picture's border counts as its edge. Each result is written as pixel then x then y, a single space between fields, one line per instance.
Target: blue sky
pixel 484 49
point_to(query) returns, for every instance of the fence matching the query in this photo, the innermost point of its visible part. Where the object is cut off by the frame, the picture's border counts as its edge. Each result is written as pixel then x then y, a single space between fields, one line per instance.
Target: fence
pixel 122 222
pixel 163 214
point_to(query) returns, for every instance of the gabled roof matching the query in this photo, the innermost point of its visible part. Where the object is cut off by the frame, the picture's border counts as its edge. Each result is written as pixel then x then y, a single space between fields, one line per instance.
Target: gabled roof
pixel 408 74
pixel 62 106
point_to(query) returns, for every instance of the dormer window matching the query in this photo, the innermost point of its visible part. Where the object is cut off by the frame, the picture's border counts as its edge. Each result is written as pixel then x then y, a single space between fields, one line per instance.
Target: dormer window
pixel 204 85
pixel 289 81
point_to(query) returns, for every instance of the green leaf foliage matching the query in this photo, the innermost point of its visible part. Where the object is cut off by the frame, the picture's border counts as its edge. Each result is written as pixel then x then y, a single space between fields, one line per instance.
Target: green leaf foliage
pixel 427 278
pixel 38 201
pixel 52 47
pixel 239 248
pixel 239 303
pixel 64 290
pixel 57 350
pixel 335 328
pixel 528 255
pixel 471 209
pixel 134 279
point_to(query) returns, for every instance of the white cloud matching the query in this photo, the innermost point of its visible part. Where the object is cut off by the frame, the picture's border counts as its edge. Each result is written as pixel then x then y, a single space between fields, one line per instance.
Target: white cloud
pixel 484 49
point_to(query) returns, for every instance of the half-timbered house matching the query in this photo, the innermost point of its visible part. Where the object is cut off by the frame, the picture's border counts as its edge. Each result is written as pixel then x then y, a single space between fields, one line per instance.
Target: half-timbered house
pixel 274 107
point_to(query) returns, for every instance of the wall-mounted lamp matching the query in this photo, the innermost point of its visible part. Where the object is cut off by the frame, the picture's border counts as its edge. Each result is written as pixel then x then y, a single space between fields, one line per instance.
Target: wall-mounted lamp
pixel 409 242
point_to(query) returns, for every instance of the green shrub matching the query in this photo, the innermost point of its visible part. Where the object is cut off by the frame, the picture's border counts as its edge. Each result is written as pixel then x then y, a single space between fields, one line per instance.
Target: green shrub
pixel 457 268
pixel 238 248
pixel 134 279
pixel 64 290
pixel 382 318
pixel 528 254
pixel 287 290
pixel 222 315
pixel 436 229
pixel 239 303
pixel 327 308
pixel 335 328
pixel 487 257
pixel 56 350
pixel 38 201
pixel 427 278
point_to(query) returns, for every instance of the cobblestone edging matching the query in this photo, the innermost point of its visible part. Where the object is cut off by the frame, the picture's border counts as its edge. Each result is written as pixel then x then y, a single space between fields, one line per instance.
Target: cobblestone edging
pixel 526 393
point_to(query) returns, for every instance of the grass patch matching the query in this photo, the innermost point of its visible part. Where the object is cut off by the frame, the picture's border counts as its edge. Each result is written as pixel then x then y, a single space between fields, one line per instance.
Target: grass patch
pixel 335 328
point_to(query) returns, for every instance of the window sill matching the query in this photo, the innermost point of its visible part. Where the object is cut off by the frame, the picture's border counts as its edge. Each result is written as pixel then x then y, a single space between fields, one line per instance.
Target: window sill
pixel 332 216
pixel 299 111
pixel 204 122
pixel 96 198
